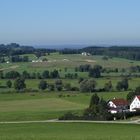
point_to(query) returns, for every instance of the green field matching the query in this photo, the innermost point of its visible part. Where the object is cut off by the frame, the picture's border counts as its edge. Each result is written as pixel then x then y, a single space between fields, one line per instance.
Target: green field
pixel 69 131
pixel 33 84
pixel 43 106
pixel 57 61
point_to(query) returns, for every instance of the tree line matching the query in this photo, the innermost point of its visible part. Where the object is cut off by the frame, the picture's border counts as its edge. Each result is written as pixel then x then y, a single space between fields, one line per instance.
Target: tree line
pixel 27 75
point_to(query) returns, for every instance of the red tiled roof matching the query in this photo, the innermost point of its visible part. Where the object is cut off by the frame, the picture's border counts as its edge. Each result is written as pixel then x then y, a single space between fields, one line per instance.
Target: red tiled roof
pixel 119 102
pixel 138 96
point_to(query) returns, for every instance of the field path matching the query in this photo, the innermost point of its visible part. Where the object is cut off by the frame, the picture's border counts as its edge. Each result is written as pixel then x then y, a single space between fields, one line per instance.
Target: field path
pixel 11 67
pixel 71 121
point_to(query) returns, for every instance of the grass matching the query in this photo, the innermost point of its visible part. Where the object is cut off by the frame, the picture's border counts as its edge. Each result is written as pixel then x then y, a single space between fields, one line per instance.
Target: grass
pixel 43 106
pixel 36 109
pixel 69 131
pixel 56 61
pixel 33 83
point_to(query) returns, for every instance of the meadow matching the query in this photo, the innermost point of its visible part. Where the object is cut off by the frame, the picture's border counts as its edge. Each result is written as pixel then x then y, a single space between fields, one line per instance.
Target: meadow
pixel 59 61
pixel 49 105
pixel 69 131
pixel 44 106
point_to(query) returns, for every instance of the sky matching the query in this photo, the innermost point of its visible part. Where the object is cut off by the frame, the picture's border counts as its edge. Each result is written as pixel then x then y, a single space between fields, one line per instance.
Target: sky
pixel 94 22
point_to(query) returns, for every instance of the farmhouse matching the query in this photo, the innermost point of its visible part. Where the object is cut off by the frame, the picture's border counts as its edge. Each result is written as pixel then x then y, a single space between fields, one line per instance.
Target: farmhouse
pixel 117 105
pixel 85 54
pixel 135 104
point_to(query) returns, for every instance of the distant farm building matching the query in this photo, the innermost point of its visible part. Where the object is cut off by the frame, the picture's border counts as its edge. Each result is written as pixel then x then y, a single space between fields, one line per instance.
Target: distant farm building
pixel 85 54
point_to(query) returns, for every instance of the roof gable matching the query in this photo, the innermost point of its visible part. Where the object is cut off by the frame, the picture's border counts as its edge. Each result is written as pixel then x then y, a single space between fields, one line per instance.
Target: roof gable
pixel 138 96
pixel 120 102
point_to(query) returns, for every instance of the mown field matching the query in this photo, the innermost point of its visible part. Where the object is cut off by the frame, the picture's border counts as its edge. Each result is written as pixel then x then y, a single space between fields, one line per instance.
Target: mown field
pixel 57 61
pixel 69 131
pixel 44 106
pixel 48 105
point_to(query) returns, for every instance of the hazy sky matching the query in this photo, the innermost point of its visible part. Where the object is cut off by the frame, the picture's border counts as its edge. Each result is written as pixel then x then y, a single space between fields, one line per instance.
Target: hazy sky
pixel 43 22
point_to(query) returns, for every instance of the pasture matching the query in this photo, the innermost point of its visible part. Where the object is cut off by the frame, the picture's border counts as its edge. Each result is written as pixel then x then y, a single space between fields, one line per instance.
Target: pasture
pixel 33 84
pixel 59 61
pixel 69 131
pixel 43 106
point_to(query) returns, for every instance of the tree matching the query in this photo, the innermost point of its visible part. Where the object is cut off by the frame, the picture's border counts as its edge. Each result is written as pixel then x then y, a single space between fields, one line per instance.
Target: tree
pixel 45 74
pixel 95 71
pixel 51 87
pixel 122 85
pixel 42 85
pixel 119 86
pixel 67 86
pixel 88 85
pixel 9 84
pixel 19 84
pixel 59 85
pixel 54 74
pixel 97 109
pixel 12 75
pixel 108 86
pixel 125 84
pixel 94 100
pixel 25 75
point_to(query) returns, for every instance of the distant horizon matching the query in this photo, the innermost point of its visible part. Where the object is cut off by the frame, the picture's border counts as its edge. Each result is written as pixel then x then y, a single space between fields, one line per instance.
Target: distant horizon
pixel 73 46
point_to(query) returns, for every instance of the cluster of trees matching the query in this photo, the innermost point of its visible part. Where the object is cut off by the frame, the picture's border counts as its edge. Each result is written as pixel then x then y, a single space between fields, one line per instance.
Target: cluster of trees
pixel 128 52
pixel 122 85
pixel 89 85
pixel 100 69
pixel 19 84
pixel 17 58
pixel 58 85
pixel 83 68
pixel 26 75
pixel 71 76
pixel 16 49
pixel 94 72
pixel 97 110
pixel 134 69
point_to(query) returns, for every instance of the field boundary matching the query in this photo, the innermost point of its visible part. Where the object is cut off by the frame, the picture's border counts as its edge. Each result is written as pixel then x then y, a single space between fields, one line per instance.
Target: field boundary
pixel 71 121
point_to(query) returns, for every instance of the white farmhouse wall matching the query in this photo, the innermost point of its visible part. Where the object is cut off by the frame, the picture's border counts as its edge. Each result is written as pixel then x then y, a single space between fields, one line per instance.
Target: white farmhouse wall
pixel 135 104
pixel 111 104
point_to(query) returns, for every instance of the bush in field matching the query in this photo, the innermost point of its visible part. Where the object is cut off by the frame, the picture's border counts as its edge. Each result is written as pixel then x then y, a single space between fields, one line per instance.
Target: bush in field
pixel 9 84
pixel 12 75
pixel 67 86
pixel 95 71
pixel 69 116
pixel 19 84
pixel 108 86
pixel 54 74
pixel 45 74
pixel 88 85
pixel 42 85
pixel 122 85
pixel 59 85
pixel 51 87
